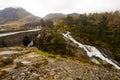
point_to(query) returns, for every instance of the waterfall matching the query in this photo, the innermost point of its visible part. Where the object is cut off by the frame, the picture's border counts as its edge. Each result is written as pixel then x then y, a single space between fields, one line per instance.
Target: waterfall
pixel 91 51
pixel 30 44
pixel 38 36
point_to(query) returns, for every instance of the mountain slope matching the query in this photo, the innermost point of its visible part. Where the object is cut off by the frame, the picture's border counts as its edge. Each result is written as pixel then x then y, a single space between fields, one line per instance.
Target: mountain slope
pixel 74 14
pixel 54 16
pixel 15 17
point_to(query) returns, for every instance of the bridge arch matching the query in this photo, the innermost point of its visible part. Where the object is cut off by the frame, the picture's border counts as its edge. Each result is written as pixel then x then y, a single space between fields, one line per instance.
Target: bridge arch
pixel 26 40
pixel 18 38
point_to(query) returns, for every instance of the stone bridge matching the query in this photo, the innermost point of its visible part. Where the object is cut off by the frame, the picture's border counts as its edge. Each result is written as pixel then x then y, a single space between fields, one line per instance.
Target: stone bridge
pixel 20 38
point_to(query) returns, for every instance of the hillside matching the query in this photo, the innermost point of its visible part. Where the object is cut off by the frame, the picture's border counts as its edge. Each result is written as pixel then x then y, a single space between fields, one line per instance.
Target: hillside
pixel 15 17
pixel 57 16
pixel 54 16
pixel 74 14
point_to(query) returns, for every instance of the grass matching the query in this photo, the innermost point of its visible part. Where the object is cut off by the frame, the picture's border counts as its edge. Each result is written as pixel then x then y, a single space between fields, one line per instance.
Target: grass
pixel 58 56
pixel 42 52
pixel 113 78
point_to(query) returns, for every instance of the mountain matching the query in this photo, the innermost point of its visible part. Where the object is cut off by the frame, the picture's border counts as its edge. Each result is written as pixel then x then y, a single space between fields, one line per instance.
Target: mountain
pixel 74 14
pixel 15 17
pixel 54 16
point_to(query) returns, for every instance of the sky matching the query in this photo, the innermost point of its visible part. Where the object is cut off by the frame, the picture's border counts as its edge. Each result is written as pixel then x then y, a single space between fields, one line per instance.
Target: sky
pixel 43 7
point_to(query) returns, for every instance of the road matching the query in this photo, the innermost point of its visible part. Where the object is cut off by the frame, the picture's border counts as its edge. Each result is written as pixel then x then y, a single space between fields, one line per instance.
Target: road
pixel 12 33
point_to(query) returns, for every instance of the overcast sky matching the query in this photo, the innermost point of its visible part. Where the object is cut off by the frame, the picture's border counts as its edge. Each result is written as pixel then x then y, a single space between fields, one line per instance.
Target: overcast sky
pixel 43 7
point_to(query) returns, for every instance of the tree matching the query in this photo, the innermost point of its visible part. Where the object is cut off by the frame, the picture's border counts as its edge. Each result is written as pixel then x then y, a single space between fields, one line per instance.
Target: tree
pixel 49 23
pixel 42 22
pixel 69 20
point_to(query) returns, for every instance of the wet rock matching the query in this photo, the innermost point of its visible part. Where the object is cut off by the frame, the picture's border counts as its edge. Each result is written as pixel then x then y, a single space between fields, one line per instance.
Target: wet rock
pixel 68 78
pixel 40 63
pixel 19 64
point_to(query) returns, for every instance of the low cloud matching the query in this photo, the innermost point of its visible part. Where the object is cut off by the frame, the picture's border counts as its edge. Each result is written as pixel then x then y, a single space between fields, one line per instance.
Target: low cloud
pixel 43 7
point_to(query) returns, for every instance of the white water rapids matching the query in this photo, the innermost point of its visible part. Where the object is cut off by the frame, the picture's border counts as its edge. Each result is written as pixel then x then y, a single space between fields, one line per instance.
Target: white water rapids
pixel 30 44
pixel 91 50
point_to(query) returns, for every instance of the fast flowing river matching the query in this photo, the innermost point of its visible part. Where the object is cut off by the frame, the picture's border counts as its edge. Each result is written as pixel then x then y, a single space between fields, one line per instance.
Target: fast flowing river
pixel 91 50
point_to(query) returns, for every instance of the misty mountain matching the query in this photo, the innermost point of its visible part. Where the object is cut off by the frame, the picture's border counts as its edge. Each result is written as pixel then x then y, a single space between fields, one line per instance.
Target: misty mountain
pixel 57 16
pixel 16 17
pixel 74 14
pixel 54 16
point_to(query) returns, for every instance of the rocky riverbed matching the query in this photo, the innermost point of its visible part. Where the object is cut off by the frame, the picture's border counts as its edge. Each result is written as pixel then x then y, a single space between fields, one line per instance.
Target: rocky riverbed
pixel 18 63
